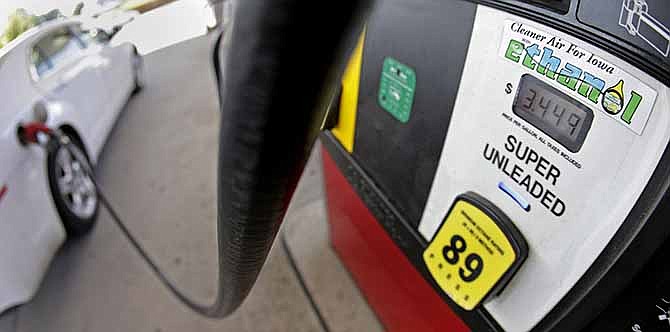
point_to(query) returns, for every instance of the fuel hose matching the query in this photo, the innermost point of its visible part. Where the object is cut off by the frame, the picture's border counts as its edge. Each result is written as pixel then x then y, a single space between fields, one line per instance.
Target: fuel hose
pixel 275 80
pixel 283 65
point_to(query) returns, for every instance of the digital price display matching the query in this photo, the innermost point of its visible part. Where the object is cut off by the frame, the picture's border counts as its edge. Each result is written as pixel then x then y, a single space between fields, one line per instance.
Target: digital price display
pixel 553 112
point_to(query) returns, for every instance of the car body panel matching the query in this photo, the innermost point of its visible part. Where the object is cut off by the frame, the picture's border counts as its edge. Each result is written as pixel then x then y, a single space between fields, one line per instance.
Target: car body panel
pixel 29 236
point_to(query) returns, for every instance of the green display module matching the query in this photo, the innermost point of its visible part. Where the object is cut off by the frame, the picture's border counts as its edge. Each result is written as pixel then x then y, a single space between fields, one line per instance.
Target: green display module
pixel 396 89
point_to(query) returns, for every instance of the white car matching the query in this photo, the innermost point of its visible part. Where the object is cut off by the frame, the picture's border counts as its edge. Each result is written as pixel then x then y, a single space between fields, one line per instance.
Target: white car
pixel 76 83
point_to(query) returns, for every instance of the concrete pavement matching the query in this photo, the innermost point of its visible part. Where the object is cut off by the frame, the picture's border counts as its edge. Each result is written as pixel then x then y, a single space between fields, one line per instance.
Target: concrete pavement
pixel 158 169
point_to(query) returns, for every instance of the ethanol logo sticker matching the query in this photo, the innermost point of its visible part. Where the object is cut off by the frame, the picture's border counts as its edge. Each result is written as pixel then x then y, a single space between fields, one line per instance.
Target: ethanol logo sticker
pixel 583 74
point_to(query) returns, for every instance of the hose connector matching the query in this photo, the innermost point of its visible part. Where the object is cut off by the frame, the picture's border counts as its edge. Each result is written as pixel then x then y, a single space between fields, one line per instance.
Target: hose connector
pixel 33 133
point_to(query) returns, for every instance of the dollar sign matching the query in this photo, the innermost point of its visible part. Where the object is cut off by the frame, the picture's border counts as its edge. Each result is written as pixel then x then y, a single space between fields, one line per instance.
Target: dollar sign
pixel 508 88
pixel 636 328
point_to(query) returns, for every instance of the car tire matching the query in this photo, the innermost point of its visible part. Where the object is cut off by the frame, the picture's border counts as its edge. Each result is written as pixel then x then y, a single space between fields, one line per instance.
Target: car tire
pixel 73 191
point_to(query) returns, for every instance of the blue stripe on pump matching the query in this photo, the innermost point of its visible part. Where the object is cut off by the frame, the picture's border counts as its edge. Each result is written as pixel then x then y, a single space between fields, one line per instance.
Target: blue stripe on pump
pixel 523 203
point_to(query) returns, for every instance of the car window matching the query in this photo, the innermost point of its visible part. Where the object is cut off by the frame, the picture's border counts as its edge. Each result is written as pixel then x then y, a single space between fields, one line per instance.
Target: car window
pixel 55 50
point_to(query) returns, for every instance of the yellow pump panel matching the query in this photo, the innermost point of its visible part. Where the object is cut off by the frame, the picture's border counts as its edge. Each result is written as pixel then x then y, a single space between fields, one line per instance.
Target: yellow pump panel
pixel 346 123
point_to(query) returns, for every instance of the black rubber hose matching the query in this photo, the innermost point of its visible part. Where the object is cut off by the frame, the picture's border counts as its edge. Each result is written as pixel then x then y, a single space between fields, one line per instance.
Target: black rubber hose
pixel 283 63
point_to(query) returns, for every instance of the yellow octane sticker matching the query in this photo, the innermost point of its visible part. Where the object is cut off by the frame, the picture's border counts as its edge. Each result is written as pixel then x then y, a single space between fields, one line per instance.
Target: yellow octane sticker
pixel 469 255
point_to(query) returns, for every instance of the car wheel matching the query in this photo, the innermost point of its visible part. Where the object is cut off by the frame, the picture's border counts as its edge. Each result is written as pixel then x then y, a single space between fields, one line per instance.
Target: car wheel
pixel 138 66
pixel 73 191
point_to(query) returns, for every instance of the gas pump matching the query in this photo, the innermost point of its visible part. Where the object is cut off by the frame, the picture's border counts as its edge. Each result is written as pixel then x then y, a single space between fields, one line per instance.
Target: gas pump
pixel 503 165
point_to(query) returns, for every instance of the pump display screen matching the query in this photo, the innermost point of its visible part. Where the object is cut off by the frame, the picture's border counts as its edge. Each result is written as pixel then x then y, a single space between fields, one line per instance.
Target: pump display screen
pixel 553 112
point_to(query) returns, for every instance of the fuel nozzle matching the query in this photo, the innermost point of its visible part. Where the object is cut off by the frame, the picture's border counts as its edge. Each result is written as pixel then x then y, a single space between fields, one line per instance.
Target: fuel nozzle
pixel 33 133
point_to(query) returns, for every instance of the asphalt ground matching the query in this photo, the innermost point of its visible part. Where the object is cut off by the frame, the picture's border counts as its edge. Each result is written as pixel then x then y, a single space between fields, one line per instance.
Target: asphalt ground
pixel 158 169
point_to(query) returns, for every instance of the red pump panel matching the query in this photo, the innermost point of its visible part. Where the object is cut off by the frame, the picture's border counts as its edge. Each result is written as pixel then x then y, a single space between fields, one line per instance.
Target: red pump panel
pixel 399 295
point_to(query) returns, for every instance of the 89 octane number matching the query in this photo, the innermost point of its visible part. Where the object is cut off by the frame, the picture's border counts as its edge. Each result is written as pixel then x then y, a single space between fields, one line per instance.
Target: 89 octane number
pixel 473 263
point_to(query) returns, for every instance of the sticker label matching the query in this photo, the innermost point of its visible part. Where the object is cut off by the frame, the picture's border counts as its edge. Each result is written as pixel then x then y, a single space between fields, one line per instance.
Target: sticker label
pixel 396 89
pixel 585 75
pixel 468 255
